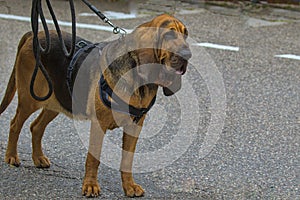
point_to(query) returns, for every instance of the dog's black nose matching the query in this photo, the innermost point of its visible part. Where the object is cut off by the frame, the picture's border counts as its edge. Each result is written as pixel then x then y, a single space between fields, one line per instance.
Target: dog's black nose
pixel 185 53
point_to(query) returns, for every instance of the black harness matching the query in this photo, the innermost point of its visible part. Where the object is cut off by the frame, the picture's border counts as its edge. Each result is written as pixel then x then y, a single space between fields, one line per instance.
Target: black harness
pixel 83 48
pixel 118 104
pixel 105 91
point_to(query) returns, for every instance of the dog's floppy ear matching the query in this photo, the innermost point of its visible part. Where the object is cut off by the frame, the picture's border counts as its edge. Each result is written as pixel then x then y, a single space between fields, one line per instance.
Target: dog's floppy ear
pixel 174 87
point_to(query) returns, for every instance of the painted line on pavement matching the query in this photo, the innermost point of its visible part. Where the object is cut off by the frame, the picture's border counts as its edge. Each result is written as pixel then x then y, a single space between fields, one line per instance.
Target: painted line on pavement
pixel 290 56
pixel 217 46
pixel 109 29
pixel 62 23
pixel 111 15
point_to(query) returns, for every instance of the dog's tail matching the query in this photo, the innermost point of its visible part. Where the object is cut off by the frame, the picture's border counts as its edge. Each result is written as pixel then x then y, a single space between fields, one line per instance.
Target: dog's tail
pixel 11 86
pixel 10 91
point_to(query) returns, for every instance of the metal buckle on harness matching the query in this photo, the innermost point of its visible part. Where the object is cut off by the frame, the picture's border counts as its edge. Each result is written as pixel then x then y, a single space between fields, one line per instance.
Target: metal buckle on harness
pixel 81 44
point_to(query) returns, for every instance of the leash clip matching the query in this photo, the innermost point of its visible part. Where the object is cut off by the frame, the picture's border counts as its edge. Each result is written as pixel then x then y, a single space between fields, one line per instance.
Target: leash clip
pixel 118 30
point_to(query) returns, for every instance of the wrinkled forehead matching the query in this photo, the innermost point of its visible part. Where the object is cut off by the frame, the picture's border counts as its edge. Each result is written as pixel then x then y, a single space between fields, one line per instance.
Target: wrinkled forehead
pixel 172 23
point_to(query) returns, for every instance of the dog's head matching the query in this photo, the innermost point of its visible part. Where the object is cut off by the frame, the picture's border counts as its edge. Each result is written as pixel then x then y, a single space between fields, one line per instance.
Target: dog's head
pixel 162 46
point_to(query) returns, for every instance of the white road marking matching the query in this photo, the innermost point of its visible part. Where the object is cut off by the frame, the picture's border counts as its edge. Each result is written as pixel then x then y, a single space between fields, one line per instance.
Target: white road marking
pixel 62 23
pixel 290 56
pixel 217 46
pixel 109 29
pixel 112 15
pixel 15 17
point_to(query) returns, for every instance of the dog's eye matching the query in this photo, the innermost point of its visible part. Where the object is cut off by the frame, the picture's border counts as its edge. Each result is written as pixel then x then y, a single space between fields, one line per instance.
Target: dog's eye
pixel 170 35
pixel 185 33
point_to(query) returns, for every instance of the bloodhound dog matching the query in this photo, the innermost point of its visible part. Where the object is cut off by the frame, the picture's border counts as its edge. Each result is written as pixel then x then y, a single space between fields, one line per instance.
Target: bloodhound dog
pixel 154 55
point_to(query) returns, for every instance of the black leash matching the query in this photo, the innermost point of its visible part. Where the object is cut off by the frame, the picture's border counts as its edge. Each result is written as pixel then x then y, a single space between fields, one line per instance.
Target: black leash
pixel 116 29
pixel 36 13
pixel 105 91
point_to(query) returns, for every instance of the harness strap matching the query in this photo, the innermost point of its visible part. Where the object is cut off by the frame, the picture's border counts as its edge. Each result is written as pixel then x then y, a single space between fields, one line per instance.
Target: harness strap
pixel 104 90
pixel 84 47
pixel 118 104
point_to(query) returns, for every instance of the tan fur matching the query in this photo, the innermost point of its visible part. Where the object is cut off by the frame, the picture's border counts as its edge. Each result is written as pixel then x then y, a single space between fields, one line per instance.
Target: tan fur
pixel 102 118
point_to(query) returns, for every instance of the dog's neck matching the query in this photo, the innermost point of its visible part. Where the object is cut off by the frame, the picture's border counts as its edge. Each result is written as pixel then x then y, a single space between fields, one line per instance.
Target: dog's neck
pixel 136 95
pixel 121 75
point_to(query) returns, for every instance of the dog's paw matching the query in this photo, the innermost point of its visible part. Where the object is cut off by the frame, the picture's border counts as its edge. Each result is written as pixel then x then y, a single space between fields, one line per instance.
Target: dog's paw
pixel 90 189
pixel 133 190
pixel 12 160
pixel 41 161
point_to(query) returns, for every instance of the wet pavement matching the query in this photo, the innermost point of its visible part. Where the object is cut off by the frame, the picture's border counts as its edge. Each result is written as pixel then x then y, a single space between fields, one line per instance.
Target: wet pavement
pixel 250 95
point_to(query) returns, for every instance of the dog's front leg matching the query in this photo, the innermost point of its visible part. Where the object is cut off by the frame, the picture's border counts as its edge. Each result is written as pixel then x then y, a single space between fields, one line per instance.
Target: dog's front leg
pixel 130 137
pixel 90 187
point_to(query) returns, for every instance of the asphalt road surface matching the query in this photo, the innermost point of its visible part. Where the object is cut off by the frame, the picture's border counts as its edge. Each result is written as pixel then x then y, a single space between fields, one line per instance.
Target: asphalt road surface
pixel 231 133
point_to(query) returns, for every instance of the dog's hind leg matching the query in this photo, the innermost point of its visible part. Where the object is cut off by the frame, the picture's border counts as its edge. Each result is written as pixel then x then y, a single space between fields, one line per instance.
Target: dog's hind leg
pixel 11 155
pixel 37 129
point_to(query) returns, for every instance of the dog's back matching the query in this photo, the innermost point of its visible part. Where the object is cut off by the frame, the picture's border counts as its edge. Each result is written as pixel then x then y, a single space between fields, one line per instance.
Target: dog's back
pixel 56 65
